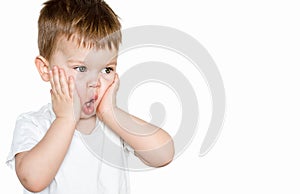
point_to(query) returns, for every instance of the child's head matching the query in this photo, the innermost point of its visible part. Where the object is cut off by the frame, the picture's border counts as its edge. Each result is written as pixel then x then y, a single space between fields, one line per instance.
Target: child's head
pixel 91 23
pixel 82 37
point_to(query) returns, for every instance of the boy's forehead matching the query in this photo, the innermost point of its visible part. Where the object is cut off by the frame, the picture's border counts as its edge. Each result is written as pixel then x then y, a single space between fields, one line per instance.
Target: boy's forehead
pixel 73 51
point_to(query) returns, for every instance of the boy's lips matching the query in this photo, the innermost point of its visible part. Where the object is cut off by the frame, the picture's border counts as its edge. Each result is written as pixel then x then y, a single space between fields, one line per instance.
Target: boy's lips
pixel 89 107
pixel 96 97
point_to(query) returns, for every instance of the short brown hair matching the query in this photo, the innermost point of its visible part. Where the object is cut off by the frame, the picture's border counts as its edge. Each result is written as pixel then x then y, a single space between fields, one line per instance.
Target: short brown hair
pixel 92 22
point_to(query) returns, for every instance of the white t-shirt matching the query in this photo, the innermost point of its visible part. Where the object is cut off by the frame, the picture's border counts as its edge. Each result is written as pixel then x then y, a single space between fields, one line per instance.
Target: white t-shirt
pixel 89 167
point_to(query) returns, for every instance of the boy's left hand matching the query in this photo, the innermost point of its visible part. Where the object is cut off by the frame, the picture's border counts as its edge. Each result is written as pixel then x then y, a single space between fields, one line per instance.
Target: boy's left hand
pixel 108 101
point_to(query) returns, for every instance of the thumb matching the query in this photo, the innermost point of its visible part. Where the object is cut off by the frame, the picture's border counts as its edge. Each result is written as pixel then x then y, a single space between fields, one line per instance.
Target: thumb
pixel 116 83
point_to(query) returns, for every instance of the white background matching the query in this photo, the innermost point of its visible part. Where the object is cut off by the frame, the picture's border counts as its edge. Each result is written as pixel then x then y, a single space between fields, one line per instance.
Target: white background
pixel 255 45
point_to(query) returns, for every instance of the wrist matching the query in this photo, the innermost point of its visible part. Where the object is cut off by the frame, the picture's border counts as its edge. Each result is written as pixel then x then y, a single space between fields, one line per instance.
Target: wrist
pixel 67 121
pixel 107 114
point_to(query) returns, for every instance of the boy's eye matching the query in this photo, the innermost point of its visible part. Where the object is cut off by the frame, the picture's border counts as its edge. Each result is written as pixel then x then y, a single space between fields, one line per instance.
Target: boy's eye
pixel 80 68
pixel 107 70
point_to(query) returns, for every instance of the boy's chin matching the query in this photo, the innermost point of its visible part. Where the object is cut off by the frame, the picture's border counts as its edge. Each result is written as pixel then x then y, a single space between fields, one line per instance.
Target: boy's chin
pixel 87 116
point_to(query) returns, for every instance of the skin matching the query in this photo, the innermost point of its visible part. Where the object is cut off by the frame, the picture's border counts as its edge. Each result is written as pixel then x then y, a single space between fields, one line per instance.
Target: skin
pixel 83 87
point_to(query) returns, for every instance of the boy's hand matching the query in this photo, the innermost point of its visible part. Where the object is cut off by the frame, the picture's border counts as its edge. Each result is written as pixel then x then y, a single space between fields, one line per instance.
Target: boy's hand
pixel 108 101
pixel 65 100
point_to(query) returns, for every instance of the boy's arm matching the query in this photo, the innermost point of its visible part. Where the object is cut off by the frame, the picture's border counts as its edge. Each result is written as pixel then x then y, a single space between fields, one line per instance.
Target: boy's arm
pixel 151 144
pixel 37 168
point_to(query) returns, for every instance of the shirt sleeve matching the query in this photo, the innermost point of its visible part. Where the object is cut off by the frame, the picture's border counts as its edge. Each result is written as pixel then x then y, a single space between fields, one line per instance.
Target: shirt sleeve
pixel 26 135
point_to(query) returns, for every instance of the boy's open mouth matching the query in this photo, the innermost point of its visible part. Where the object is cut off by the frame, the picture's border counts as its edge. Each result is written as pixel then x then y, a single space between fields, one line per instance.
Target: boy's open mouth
pixel 89 107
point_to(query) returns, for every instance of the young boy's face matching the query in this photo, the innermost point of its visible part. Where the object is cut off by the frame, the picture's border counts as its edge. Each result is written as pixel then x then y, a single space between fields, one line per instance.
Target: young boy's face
pixel 93 71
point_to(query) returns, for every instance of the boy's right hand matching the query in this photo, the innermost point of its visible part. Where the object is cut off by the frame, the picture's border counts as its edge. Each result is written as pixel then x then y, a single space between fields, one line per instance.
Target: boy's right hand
pixel 65 100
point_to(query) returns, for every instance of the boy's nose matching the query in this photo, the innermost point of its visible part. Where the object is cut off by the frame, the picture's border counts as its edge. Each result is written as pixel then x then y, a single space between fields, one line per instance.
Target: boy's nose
pixel 94 84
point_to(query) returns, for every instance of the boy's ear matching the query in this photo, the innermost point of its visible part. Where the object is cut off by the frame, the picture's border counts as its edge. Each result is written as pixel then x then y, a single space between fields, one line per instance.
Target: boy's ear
pixel 43 67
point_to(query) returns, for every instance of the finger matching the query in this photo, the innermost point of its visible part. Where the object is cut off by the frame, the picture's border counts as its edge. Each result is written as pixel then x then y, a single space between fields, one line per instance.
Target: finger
pixel 53 92
pixel 74 95
pixel 57 87
pixel 116 78
pixel 63 82
pixel 116 82
pixel 71 86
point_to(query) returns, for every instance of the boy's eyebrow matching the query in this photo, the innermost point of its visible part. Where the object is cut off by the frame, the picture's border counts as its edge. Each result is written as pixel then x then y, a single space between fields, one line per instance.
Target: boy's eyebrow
pixel 113 62
pixel 75 61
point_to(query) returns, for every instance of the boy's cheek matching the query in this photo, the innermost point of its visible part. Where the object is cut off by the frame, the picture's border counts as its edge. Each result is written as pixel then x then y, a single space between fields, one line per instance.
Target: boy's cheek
pixel 70 72
pixel 80 88
pixel 101 92
pixel 103 88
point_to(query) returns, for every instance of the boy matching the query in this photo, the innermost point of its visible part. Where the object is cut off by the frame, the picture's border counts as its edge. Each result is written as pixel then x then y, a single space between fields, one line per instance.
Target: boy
pixel 78 43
